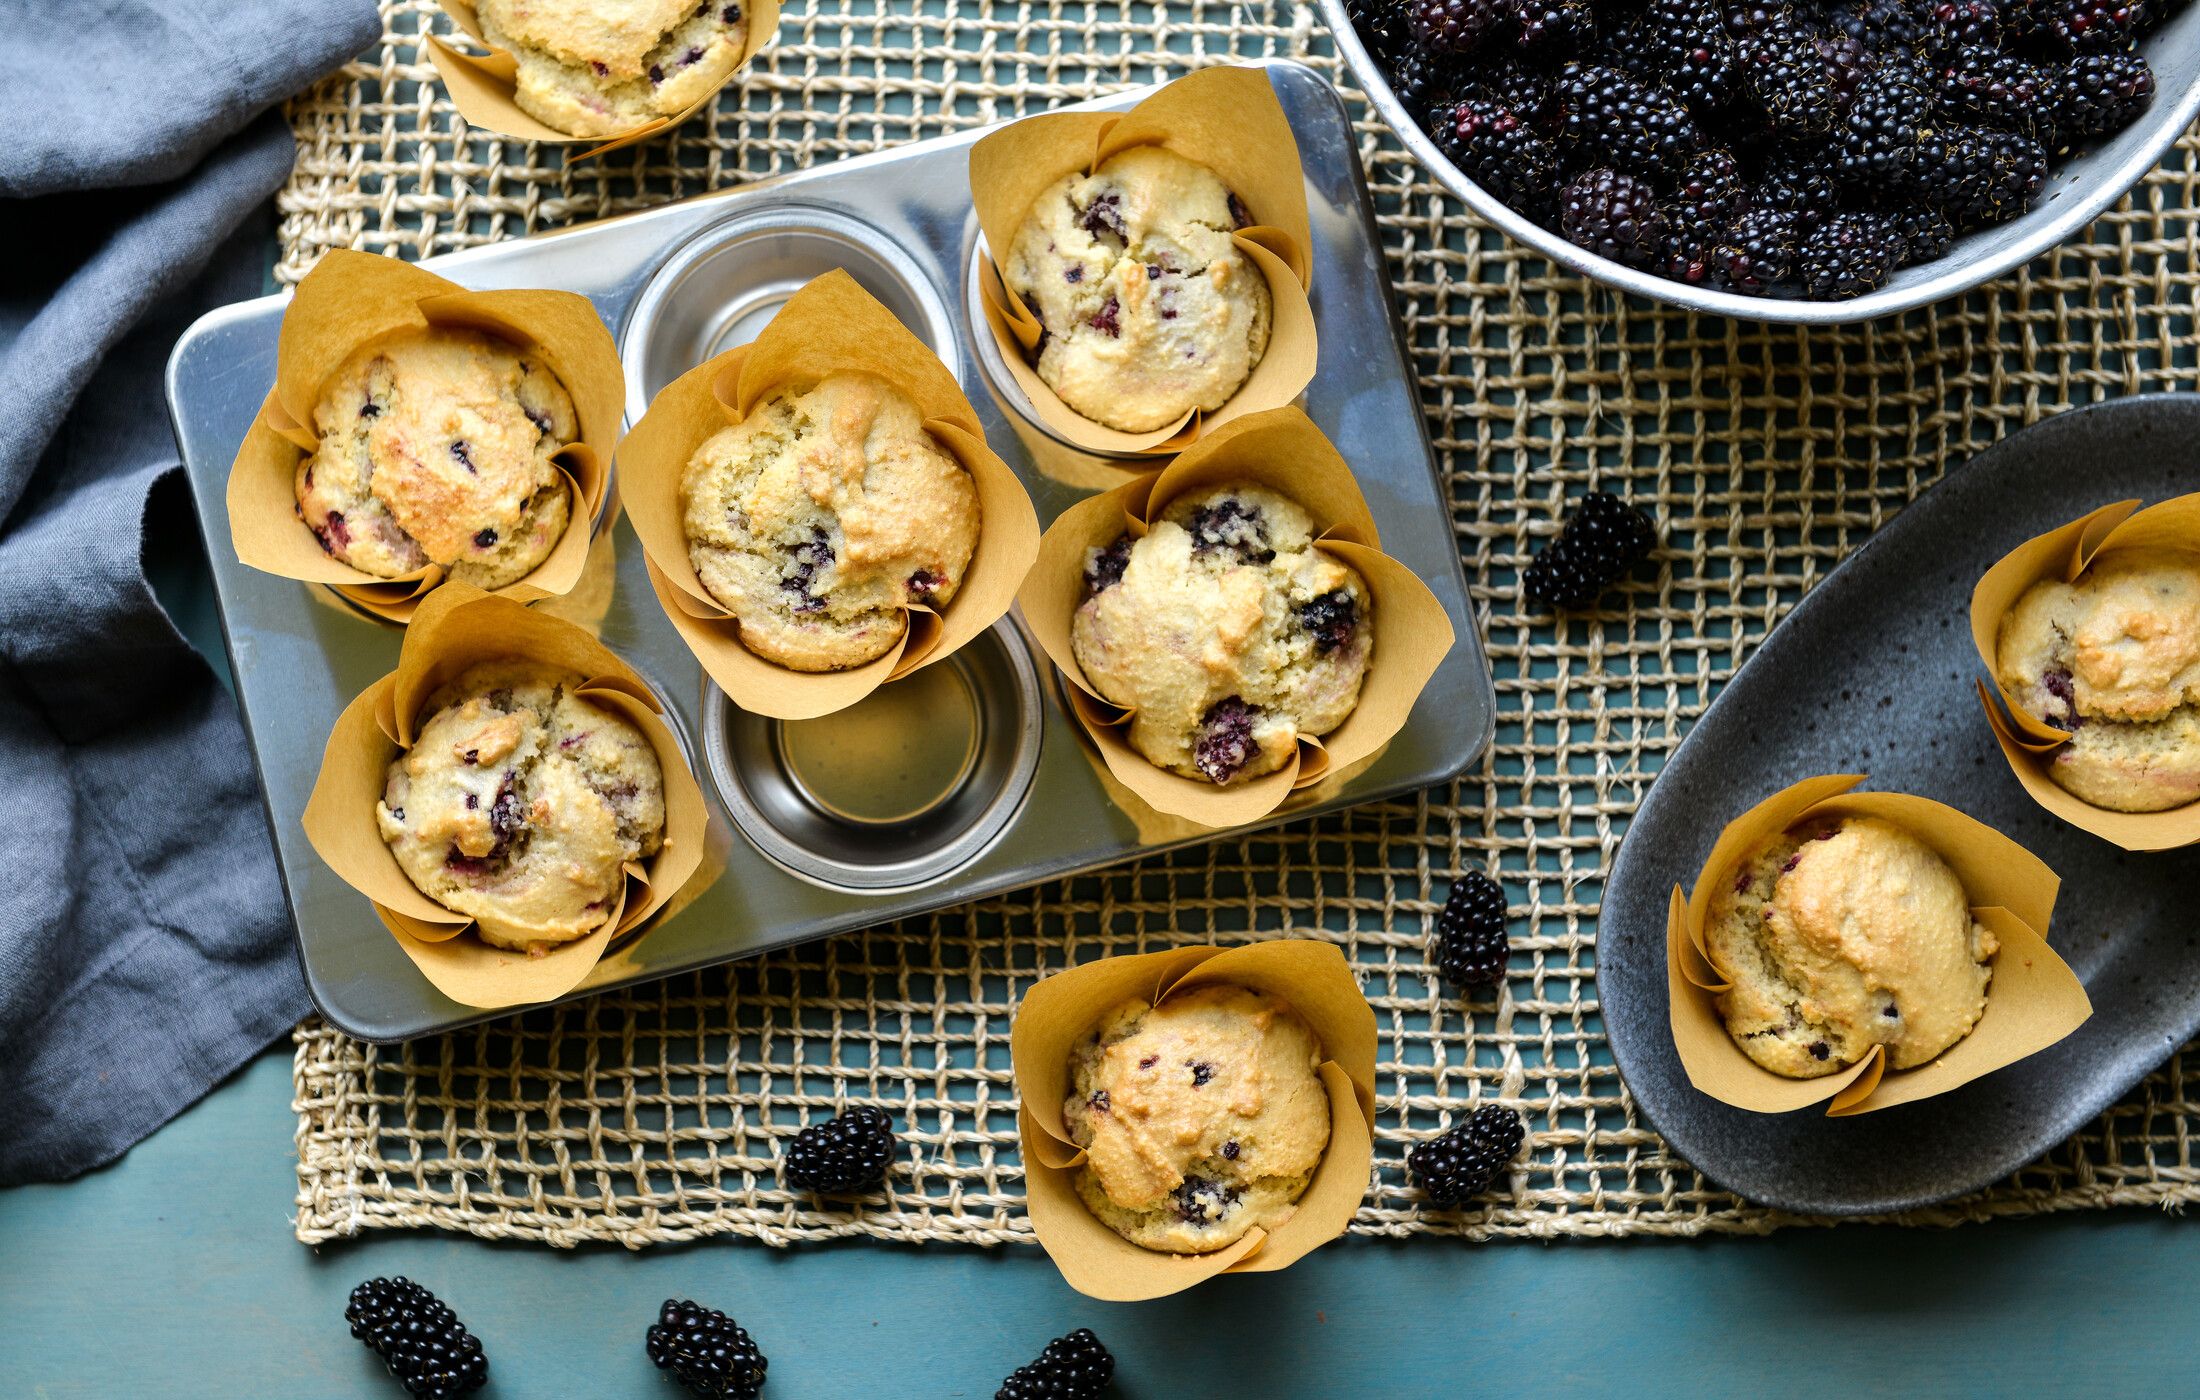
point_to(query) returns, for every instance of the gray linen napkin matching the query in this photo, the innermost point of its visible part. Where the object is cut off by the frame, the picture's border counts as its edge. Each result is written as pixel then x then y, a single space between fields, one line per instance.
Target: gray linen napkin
pixel 144 949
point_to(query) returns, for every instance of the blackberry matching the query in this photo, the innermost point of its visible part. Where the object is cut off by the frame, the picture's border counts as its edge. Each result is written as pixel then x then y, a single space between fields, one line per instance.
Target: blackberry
pixel 1799 185
pixel 1548 27
pixel 1882 24
pixel 1105 568
pixel 1381 25
pixel 1878 142
pixel 707 1352
pixel 1757 253
pixel 1459 1165
pixel 1926 233
pixel 848 1154
pixel 1075 1367
pixel 1454 26
pixel 1226 743
pixel 1691 52
pixel 2099 24
pixel 419 1338
pixel 1976 175
pixel 1424 81
pixel 1609 114
pixel 1745 19
pixel 2097 94
pixel 1497 150
pixel 1512 84
pixel 1603 539
pixel 1849 255
pixel 1800 89
pixel 1612 215
pixel 1471 946
pixel 1962 24
pixel 1709 197
pixel 1331 619
pixel 1985 85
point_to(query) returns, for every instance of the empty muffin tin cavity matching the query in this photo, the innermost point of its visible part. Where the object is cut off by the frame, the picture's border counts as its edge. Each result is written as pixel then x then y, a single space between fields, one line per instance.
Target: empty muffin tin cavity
pixel 898 790
pixel 722 287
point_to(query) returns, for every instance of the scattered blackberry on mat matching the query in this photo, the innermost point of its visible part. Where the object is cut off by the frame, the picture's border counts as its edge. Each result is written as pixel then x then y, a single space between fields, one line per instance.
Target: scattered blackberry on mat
pixel 707 1352
pixel 418 1337
pixel 1613 215
pixel 1601 541
pixel 846 1155
pixel 1459 1165
pixel 1471 946
pixel 1075 1367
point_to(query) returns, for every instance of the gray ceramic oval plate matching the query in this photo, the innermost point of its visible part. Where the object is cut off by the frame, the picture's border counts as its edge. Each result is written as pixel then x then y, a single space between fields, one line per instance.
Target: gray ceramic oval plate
pixel 1872 673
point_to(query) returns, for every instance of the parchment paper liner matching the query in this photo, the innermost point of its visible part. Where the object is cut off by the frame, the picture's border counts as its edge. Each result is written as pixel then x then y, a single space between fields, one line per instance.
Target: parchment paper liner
pixel 830 326
pixel 2033 1000
pixel 1282 449
pixel 484 88
pixel 2030 743
pixel 1055 1014
pixel 350 298
pixel 1226 119
pixel 457 626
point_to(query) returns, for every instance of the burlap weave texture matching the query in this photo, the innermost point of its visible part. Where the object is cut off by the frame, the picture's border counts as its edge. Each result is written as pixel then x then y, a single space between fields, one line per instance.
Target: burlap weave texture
pixel 1767 455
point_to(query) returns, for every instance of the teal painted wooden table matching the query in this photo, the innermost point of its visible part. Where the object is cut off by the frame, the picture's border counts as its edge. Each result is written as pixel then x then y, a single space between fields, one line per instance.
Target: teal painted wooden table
pixel 173 1274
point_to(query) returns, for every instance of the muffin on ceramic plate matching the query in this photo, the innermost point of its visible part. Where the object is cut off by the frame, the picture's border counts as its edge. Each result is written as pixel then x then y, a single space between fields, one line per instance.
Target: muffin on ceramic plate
pixel 1201 1117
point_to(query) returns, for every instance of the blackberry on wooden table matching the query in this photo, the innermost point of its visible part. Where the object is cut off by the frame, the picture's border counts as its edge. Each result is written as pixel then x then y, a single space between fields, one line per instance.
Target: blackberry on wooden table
pixel 418 1337
pixel 1073 1367
pixel 707 1352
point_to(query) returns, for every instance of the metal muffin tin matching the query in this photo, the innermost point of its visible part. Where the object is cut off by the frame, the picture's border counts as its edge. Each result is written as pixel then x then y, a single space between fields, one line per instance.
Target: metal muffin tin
pixel 967 780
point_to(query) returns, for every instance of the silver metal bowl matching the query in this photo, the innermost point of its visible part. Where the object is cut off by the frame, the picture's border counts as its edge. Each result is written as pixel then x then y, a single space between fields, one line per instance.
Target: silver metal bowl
pixel 2075 194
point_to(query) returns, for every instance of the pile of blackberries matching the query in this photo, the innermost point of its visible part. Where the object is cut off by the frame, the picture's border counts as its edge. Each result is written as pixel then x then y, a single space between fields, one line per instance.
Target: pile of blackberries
pixel 1766 147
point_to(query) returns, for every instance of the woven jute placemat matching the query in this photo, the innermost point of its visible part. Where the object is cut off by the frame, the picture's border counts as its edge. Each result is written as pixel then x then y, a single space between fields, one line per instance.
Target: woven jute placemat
pixel 1767 455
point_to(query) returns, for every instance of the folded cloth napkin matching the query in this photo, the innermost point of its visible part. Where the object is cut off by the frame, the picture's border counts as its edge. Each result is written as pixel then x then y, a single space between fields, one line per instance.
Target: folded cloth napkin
pixel 144 948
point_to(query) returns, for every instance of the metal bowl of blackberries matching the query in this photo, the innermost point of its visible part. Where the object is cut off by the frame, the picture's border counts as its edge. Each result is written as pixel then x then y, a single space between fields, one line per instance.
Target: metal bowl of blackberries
pixel 1810 161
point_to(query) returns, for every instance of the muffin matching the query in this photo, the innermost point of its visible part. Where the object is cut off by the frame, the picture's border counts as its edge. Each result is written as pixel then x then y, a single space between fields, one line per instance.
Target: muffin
pixel 1149 309
pixel 2115 659
pixel 521 802
pixel 819 519
pixel 437 446
pixel 1225 632
pixel 1200 1118
pixel 601 67
pixel 1844 936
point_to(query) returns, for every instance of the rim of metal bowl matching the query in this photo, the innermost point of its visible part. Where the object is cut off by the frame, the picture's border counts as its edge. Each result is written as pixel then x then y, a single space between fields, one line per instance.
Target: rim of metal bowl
pixel 2038 231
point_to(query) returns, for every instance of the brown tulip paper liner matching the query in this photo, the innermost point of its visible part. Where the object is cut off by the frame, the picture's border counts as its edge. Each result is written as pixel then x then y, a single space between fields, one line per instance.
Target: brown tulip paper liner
pixel 2033 1000
pixel 831 326
pixel 2030 743
pixel 1226 119
pixel 456 627
pixel 351 298
pixel 1283 450
pixel 1318 983
pixel 484 88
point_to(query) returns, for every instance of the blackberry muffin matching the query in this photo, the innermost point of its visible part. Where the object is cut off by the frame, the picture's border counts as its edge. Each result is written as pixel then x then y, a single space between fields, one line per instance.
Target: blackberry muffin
pixel 2115 659
pixel 521 802
pixel 823 516
pixel 1149 309
pixel 1844 936
pixel 438 446
pixel 602 67
pixel 1200 1118
pixel 1226 632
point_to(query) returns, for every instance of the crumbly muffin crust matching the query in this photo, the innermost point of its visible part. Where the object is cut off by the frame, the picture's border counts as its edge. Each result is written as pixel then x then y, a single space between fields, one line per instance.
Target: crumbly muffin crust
pixel 2115 659
pixel 819 519
pixel 1226 631
pixel 1844 936
pixel 521 802
pixel 438 446
pixel 1150 310
pixel 602 67
pixel 1201 1117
